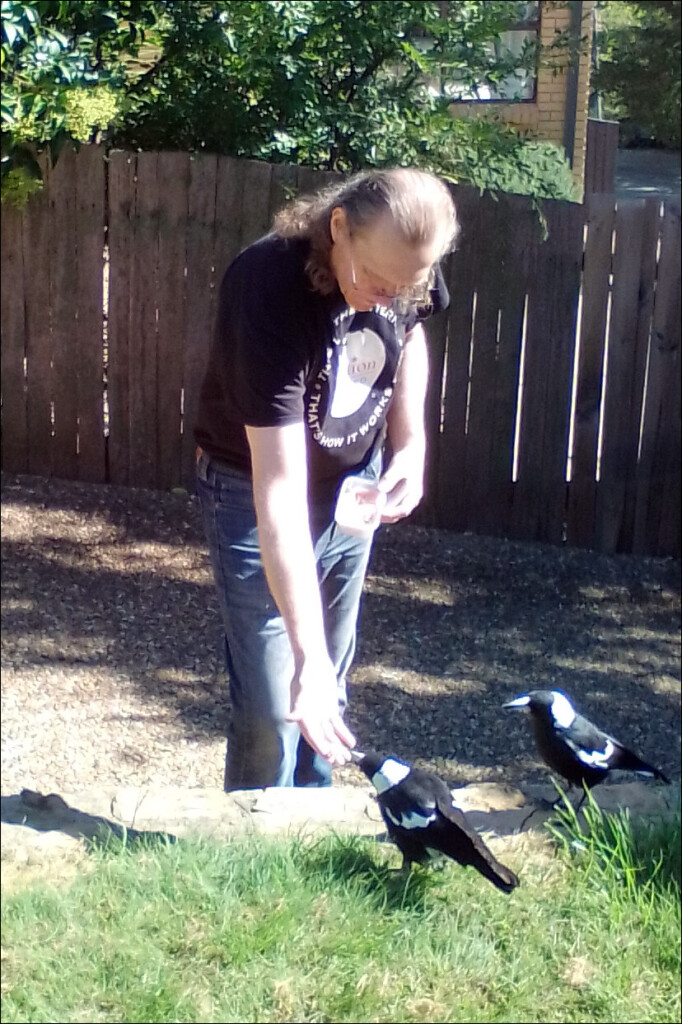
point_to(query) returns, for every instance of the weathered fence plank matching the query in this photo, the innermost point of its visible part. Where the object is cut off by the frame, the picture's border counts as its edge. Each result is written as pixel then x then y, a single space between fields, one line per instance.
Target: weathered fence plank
pixel 658 471
pixel 503 274
pixel 173 183
pixel 560 328
pixel 645 307
pixel 476 484
pixel 228 213
pixel 255 219
pixel 143 365
pixel 621 405
pixel 200 296
pixel 120 234
pixel 88 340
pixel 538 510
pixel 64 308
pixel 521 235
pixel 669 539
pixel 37 262
pixel 462 281
pixel 14 413
pixel 600 211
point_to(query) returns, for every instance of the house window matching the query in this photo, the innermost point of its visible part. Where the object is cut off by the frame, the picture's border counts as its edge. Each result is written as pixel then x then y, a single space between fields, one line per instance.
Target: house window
pixel 518 49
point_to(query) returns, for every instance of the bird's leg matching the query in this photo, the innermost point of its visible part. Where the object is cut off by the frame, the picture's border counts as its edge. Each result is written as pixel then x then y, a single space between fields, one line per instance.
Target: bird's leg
pixel 543 804
pixel 555 803
pixel 562 797
pixel 582 799
pixel 405 869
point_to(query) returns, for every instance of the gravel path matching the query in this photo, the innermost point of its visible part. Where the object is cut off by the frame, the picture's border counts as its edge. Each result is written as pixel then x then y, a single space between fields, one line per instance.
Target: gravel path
pixel 111 645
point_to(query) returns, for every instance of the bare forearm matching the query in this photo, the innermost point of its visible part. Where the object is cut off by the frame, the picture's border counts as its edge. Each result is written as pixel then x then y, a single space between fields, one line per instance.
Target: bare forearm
pixel 403 479
pixel 280 489
pixel 406 414
pixel 288 558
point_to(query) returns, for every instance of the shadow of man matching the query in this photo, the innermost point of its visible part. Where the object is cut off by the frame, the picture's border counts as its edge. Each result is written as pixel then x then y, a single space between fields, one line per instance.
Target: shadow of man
pixel 51 813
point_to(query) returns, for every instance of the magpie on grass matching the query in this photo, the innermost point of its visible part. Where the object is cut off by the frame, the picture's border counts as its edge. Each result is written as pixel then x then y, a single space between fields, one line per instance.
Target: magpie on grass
pixel 422 820
pixel 572 746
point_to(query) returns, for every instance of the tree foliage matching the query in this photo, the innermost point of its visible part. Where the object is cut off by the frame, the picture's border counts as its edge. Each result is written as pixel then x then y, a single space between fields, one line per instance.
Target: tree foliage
pixel 64 72
pixel 638 75
pixel 336 85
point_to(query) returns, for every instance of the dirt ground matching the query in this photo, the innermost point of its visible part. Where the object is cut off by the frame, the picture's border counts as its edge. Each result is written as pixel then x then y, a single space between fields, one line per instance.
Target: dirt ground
pixel 111 649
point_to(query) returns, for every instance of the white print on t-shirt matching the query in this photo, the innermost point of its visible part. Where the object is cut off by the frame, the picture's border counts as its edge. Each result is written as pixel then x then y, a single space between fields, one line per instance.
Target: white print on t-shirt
pixel 359 362
pixel 338 442
pixel 348 313
pixel 348 400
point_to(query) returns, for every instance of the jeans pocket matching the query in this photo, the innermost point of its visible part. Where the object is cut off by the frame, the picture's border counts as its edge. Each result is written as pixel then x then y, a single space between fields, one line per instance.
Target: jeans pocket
pixel 229 489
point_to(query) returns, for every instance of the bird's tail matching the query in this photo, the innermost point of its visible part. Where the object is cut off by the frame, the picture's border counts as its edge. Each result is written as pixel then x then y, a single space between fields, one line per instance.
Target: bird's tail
pixel 657 774
pixel 497 873
pixel 630 762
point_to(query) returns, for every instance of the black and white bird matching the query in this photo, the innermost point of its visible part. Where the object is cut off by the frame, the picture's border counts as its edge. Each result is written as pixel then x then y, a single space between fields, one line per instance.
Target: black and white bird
pixel 423 821
pixel 572 746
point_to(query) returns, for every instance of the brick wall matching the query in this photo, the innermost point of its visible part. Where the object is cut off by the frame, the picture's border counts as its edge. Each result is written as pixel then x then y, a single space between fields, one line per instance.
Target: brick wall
pixel 546 115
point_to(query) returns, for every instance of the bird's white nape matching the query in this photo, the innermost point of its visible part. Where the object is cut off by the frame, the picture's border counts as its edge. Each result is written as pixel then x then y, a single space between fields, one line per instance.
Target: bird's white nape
pixel 389 774
pixel 562 710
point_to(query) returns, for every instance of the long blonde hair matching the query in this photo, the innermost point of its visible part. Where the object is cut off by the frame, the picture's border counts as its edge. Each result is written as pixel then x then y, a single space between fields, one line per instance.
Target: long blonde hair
pixel 418 203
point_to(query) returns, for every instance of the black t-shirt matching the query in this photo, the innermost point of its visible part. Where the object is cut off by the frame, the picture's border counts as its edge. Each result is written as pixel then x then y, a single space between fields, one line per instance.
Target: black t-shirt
pixel 282 353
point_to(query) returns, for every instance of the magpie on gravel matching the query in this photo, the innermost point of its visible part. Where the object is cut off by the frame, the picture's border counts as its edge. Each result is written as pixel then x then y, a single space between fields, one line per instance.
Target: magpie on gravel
pixel 572 746
pixel 422 820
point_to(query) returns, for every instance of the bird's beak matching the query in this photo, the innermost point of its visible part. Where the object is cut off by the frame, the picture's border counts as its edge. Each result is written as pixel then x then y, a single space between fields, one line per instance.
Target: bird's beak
pixel 357 756
pixel 518 702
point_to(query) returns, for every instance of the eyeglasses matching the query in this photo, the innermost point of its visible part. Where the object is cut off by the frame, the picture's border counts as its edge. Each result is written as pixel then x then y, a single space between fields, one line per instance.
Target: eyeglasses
pixel 372 285
pixel 369 285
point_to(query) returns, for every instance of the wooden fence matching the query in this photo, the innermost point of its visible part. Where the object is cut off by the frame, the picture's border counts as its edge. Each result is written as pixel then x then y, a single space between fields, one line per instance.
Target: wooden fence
pixel 554 403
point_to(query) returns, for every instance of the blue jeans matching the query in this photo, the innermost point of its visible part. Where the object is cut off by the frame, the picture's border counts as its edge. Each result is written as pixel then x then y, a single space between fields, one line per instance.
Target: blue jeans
pixel 262 748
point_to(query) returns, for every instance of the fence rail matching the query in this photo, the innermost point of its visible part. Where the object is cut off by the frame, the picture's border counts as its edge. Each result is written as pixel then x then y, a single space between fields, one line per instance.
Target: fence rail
pixel 554 402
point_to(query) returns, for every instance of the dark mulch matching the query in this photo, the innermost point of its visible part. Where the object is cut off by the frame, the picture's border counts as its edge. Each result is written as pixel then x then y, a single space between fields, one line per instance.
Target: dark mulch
pixel 108 601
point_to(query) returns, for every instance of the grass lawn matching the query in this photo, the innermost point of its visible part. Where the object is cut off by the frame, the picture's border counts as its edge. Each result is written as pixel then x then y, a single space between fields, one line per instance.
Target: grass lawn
pixel 327 930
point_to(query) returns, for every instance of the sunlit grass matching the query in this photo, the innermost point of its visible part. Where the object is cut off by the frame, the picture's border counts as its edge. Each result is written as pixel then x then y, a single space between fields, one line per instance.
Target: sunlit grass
pixel 271 930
